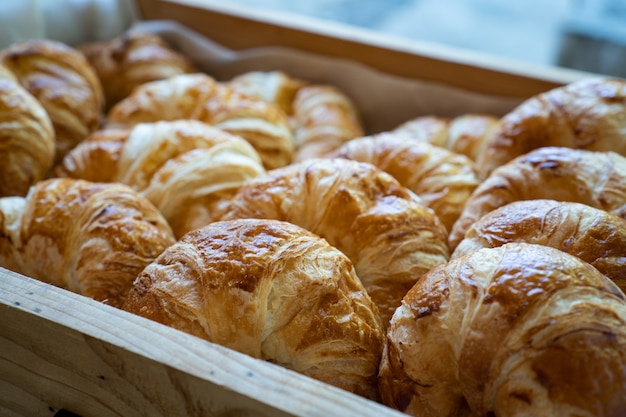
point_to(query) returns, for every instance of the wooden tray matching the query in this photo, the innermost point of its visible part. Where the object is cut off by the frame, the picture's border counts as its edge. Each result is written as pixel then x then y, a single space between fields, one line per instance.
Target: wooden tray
pixel 61 353
pixel 237 27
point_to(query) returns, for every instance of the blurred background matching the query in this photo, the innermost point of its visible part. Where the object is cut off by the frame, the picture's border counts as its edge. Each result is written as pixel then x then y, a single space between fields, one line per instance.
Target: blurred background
pixel 588 35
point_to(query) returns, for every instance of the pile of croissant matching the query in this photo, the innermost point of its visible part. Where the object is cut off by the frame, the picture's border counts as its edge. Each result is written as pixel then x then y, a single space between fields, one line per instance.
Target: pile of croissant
pixel 466 266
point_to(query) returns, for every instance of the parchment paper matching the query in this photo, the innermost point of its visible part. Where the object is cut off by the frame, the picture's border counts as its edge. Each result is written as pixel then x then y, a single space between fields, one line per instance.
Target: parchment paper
pixel 383 100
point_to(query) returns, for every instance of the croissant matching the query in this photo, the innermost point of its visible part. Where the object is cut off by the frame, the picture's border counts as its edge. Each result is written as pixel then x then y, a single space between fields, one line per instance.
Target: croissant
pixel 442 179
pixel 200 97
pixel 132 59
pixel 322 116
pixel 325 118
pixel 587 114
pixel 272 86
pixel 63 81
pixel 391 238
pixel 89 238
pixel 593 235
pixel 597 179
pixel 26 138
pixel 466 134
pixel 271 290
pixel 187 169
pixel 517 330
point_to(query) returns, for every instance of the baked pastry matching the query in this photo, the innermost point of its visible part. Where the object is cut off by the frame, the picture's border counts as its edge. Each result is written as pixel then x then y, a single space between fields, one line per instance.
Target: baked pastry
pixel 63 81
pixel 587 114
pixel 132 59
pixel 442 179
pixel 517 330
pixel 187 169
pixel 593 235
pixel 465 134
pixel 391 238
pixel 89 238
pixel 597 179
pixel 200 97
pixel 271 290
pixel 322 116
pixel 430 128
pixel 325 118
pixel 26 138
pixel 6 74
pixel 272 86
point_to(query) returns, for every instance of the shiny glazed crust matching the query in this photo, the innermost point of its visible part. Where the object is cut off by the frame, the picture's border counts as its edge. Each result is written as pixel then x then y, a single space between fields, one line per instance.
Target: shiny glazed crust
pixel 597 179
pixel 588 114
pixel 92 239
pixel 593 235
pixel 391 237
pixel 442 179
pixel 186 168
pixel 271 290
pixel 200 97
pixel 26 138
pixel 518 330
pixel 63 81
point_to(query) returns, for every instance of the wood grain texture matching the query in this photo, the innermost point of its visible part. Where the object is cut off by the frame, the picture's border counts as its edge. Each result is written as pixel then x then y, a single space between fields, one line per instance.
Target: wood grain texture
pixel 237 27
pixel 59 350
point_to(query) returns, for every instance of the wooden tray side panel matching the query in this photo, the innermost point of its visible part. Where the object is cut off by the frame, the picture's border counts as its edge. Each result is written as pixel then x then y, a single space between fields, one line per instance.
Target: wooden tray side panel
pixel 59 350
pixel 237 29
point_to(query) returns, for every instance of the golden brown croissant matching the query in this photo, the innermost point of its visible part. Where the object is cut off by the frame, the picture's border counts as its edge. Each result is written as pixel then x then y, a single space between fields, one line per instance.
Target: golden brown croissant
pixel 442 179
pixel 89 238
pixel 200 97
pixel 26 138
pixel 518 330
pixel 466 134
pixel 325 118
pixel 597 179
pixel 132 59
pixel 391 237
pixel 322 116
pixel 63 81
pixel 271 290
pixel 272 86
pixel 593 235
pixel 187 169
pixel 588 114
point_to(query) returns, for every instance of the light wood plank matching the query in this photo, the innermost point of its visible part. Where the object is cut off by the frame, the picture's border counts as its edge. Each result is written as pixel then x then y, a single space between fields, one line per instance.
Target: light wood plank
pixel 239 28
pixel 62 350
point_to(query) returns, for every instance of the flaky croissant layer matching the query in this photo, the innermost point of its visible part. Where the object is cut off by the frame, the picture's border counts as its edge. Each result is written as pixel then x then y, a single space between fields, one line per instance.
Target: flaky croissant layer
pixel 597 179
pixel 466 134
pixel 593 235
pixel 186 168
pixel 131 59
pixel 587 114
pixel 383 228
pixel 325 118
pixel 90 238
pixel 26 138
pixel 200 97
pixel 442 179
pixel 63 81
pixel 272 290
pixel 518 330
